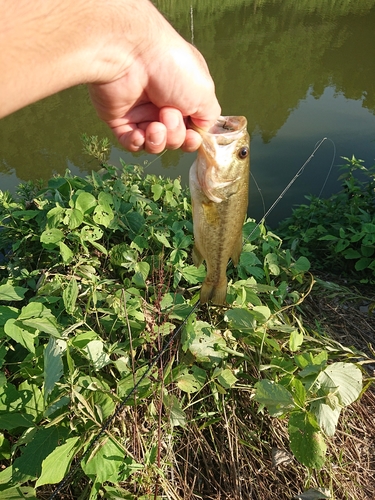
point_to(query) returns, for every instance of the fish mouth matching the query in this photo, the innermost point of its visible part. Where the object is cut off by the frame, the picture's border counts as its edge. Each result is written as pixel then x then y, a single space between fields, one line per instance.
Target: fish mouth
pixel 225 130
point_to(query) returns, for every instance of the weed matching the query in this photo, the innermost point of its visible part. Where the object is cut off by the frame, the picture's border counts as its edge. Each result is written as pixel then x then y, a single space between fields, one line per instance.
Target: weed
pixel 96 276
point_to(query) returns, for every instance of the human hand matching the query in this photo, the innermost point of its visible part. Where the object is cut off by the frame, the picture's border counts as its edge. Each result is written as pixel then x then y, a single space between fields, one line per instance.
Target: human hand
pixel 147 105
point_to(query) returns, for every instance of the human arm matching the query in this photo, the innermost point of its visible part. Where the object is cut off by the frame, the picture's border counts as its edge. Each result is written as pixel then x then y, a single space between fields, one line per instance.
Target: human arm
pixel 142 75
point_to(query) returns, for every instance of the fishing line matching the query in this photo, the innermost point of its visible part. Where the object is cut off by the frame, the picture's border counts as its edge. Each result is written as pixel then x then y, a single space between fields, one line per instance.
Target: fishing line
pixel 68 478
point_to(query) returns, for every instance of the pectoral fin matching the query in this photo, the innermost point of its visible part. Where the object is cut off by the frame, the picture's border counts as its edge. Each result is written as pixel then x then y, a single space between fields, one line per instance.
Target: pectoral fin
pixel 197 257
pixel 237 250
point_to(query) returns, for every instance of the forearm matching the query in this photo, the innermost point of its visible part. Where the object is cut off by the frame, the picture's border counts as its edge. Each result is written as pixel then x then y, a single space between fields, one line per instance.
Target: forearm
pixel 50 45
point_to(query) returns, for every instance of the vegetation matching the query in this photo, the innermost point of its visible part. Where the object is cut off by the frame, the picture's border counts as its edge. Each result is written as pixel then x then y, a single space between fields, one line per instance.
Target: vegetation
pixel 112 370
pixel 338 234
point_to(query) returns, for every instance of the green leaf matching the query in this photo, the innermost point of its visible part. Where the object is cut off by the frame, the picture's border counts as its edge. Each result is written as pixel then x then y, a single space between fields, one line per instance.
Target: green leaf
pixel 29 464
pixel 95 353
pixel 342 379
pixel 12 293
pixel 13 420
pixel 326 416
pixel 73 218
pixel 53 364
pixel 18 493
pixel 204 342
pixel 177 416
pixel 363 263
pixel 295 340
pixel 157 189
pixel 14 330
pixel 302 265
pixel 105 463
pixel 189 379
pixel 56 464
pixel 193 275
pixel 51 236
pixel 38 316
pixel 91 233
pixel 103 215
pixel 85 202
pixel 70 295
pixel 306 440
pixel 65 252
pixel 226 378
pixel 350 253
pixel 7 312
pixel 162 239
pixel 241 319
pixel 276 398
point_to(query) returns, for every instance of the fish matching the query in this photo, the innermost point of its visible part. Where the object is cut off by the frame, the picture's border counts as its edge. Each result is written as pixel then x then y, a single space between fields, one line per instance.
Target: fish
pixel 219 185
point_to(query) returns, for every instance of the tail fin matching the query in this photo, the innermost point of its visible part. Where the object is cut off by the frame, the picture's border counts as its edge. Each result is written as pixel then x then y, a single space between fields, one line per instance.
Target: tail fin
pixel 216 292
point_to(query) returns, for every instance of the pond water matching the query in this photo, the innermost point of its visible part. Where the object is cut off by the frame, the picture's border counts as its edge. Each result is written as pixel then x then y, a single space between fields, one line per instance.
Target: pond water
pixel 299 71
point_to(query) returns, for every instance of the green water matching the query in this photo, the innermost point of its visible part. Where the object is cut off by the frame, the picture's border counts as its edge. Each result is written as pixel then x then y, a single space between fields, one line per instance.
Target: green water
pixel 299 70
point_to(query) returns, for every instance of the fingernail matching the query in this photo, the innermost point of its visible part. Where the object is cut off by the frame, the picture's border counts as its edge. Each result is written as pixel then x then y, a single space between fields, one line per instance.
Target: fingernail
pixel 156 138
pixel 139 142
pixel 173 121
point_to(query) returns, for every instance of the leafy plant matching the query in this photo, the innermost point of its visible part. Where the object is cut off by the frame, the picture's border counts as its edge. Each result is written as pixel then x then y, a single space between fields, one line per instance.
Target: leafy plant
pixel 96 278
pixel 338 233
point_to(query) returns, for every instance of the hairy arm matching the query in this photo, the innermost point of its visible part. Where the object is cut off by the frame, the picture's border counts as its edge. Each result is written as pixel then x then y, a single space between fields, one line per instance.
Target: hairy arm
pixel 144 79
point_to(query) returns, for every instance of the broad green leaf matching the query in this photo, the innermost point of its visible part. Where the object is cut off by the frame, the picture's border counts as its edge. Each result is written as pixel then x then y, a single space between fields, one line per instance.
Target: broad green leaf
pixel 241 319
pixel 306 440
pixel 363 263
pixel 157 190
pixel 204 342
pixel 326 416
pixel 226 378
pixel 70 295
pixel 276 398
pixel 51 236
pixel 38 316
pixel 91 233
pixel 53 364
pixel 7 312
pixel 189 379
pixel 177 416
pixel 14 330
pixel 105 463
pixel 56 464
pixel 65 252
pixel 350 253
pixel 13 420
pixel 96 354
pixel 302 265
pixel 295 340
pixel 342 379
pixel 135 222
pixel 73 218
pixel 193 275
pixel 12 293
pixel 103 215
pixel 162 239
pixel 85 202
pixel 29 464
pixel 18 493
pixel 34 404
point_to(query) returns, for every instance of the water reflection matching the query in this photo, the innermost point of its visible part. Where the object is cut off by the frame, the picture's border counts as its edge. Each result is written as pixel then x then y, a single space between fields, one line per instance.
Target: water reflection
pixel 298 70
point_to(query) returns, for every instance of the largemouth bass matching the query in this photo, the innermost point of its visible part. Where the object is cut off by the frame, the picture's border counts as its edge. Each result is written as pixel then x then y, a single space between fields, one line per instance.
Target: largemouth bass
pixel 219 183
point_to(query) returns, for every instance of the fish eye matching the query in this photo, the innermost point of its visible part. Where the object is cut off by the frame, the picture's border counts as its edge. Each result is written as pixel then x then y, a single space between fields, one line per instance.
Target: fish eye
pixel 243 153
